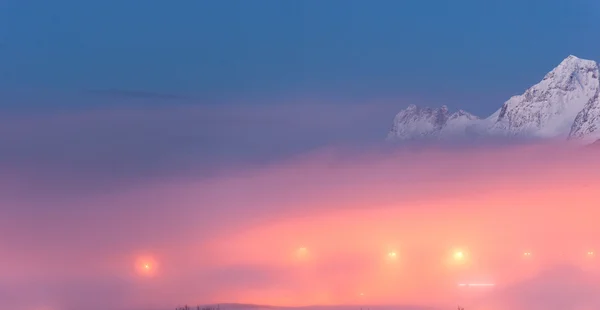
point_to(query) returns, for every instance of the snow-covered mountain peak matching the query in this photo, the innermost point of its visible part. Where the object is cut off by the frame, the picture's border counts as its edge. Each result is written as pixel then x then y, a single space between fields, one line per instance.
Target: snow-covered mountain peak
pixel 416 122
pixel 569 72
pixel 548 109
pixel 564 104
pixel 574 61
pixel 462 114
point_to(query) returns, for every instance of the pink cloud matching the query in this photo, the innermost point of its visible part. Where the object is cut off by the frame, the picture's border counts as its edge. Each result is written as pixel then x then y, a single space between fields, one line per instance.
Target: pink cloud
pixel 234 236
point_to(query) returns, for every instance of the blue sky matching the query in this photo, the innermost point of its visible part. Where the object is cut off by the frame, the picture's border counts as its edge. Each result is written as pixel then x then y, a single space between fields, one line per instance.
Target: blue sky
pixel 470 54
pixel 255 81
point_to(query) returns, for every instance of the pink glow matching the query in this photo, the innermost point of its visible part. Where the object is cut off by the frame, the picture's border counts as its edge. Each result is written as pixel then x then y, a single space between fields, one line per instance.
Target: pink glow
pixel 319 230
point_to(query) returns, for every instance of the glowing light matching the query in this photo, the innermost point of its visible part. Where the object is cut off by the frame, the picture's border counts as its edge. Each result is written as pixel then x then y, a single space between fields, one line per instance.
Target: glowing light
pixel 457 258
pixel 146 266
pixel 527 254
pixel 301 254
pixel 302 251
pixel 590 253
pixel 458 255
pixel 392 254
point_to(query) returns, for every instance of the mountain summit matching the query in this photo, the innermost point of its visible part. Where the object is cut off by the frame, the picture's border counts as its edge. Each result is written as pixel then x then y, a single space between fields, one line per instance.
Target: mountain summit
pixel 564 105
pixel 416 123
pixel 548 109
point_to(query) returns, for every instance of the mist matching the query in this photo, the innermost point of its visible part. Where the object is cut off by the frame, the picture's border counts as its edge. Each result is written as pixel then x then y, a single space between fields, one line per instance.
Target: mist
pixel 288 205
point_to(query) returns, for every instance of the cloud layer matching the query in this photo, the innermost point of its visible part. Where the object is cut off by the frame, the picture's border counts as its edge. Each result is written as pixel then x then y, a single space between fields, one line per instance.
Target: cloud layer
pixel 86 196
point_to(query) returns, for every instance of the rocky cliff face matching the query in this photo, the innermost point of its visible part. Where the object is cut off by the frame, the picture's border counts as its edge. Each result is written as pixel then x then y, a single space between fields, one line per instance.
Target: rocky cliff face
pixel 586 126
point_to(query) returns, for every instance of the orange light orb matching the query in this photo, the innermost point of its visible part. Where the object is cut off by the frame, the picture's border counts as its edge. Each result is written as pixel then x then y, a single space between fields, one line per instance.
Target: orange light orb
pixel 392 257
pixel 301 254
pixel 457 258
pixel 146 266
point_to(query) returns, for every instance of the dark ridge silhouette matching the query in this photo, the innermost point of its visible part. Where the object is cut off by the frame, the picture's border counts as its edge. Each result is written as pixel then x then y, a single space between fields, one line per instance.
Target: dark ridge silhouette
pixel 186 307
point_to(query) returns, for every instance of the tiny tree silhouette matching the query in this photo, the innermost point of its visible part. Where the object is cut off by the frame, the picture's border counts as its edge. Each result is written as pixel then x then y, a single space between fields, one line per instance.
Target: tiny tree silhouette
pixel 186 307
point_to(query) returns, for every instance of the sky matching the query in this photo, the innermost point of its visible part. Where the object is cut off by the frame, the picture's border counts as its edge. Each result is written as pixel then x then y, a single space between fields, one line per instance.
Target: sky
pixel 468 54
pixel 175 152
